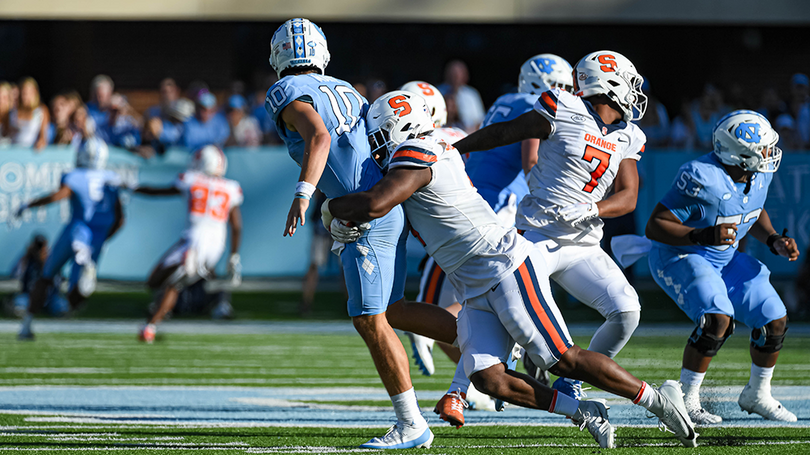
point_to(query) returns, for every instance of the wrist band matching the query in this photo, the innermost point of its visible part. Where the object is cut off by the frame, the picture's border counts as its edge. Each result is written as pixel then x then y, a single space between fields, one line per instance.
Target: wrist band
pixel 302 196
pixel 304 189
pixel 772 239
pixel 703 237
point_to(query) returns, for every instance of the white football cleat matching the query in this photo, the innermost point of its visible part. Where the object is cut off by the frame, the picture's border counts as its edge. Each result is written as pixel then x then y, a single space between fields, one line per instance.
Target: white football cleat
pixel 697 414
pixel 422 353
pixel 87 280
pixel 479 401
pixel 764 404
pixel 673 414
pixel 402 436
pixel 593 416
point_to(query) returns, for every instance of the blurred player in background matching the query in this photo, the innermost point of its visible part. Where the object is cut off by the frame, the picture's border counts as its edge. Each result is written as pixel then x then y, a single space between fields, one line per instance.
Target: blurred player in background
pixel 29 270
pixel 500 275
pixel 696 228
pixel 213 203
pixel 96 215
pixel 588 146
pixel 322 121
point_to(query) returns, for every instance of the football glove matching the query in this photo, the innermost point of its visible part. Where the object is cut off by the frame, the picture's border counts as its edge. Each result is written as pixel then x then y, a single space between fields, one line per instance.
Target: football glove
pixel 235 269
pixel 326 215
pixel 343 233
pixel 579 213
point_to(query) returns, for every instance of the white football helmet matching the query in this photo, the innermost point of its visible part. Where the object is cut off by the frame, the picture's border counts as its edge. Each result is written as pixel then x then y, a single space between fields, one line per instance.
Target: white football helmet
pixel 298 42
pixel 209 160
pixel 393 119
pixel 746 139
pixel 434 99
pixel 92 154
pixel 612 74
pixel 544 71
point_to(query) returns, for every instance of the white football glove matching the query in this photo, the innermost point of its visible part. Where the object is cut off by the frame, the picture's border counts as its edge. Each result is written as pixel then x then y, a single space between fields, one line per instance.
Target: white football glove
pixel 326 215
pixel 235 269
pixel 579 213
pixel 347 234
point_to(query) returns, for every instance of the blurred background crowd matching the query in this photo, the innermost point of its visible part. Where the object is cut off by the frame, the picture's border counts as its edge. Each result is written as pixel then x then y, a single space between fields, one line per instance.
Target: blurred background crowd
pixel 147 122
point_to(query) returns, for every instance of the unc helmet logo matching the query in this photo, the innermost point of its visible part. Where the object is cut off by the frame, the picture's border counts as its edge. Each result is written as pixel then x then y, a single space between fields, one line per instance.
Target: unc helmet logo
pixel 545 65
pixel 748 132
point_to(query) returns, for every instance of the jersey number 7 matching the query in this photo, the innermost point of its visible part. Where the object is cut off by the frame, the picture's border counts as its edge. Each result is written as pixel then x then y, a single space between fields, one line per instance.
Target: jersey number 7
pixel 603 159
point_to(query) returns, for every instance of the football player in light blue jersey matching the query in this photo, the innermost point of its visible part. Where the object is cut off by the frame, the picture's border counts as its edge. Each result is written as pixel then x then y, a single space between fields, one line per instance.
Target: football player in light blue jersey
pixel 96 216
pixel 500 172
pixel 695 230
pixel 322 121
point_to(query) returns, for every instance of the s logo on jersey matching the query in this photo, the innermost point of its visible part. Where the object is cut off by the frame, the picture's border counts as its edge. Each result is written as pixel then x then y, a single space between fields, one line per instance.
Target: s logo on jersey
pixel 748 132
pixel 400 105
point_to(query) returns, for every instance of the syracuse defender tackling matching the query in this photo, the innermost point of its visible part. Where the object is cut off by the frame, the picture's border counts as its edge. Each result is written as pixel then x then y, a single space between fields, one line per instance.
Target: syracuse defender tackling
pixel 213 203
pixel 588 147
pixel 96 215
pixel 713 203
pixel 500 275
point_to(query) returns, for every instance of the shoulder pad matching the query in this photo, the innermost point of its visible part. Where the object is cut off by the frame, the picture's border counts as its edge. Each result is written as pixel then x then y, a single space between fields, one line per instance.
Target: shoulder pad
pixel 422 152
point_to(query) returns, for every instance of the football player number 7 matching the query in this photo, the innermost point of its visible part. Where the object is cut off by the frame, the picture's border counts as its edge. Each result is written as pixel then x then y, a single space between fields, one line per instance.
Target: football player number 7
pixel 603 160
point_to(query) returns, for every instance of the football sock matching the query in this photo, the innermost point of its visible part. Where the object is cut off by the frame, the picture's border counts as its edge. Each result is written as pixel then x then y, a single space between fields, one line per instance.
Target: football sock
pixel 460 381
pixel 407 408
pixel 26 322
pixel 761 378
pixel 648 398
pixel 614 333
pixel 563 404
pixel 690 383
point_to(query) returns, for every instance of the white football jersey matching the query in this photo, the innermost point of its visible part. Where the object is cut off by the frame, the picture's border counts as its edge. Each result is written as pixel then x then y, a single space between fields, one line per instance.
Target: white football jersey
pixel 454 223
pixel 210 200
pixel 577 163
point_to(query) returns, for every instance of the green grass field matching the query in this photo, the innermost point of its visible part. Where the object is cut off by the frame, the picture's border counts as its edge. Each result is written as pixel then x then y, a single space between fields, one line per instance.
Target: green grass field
pixel 310 361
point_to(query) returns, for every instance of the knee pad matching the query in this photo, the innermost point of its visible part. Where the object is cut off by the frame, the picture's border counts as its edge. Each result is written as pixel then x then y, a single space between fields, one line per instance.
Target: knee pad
pixel 707 343
pixel 766 343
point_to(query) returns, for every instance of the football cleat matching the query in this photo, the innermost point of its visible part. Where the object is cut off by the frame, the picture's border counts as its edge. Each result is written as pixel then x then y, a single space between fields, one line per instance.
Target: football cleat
pixel 450 408
pixel 25 334
pixel 570 387
pixel 764 404
pixel 422 353
pixel 593 416
pixel 87 280
pixel 402 436
pixel 510 365
pixel 697 414
pixel 479 401
pixel 147 333
pixel 536 372
pixel 673 415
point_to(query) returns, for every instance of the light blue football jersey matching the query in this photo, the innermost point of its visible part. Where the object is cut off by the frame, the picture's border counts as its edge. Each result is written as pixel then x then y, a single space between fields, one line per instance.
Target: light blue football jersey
pixel 349 167
pixel 704 195
pixel 95 192
pixel 494 170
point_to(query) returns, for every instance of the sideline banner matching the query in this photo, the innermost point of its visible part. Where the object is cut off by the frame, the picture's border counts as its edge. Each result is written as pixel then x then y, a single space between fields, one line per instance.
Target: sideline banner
pixel 268 178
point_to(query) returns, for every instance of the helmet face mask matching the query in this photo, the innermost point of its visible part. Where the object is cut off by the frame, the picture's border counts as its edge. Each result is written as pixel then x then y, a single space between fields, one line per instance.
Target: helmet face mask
pixel 393 119
pixel 544 72
pixel 298 43
pixel 747 140
pixel 611 74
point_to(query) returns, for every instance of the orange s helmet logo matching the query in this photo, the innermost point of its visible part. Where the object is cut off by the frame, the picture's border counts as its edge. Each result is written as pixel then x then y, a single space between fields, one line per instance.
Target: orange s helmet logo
pixel 608 63
pixel 400 105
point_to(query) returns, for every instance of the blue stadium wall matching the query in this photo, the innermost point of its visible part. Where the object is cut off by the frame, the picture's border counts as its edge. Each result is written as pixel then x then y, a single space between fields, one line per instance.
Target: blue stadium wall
pixel 268 179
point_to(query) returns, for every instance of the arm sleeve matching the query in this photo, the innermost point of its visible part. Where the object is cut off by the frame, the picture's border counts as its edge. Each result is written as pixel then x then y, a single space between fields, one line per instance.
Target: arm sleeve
pixel 547 105
pixel 688 196
pixel 237 198
pixel 638 142
pixel 410 155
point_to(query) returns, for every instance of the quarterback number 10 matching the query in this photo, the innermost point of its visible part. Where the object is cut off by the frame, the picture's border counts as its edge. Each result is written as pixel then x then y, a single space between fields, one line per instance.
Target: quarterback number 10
pixel 603 160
